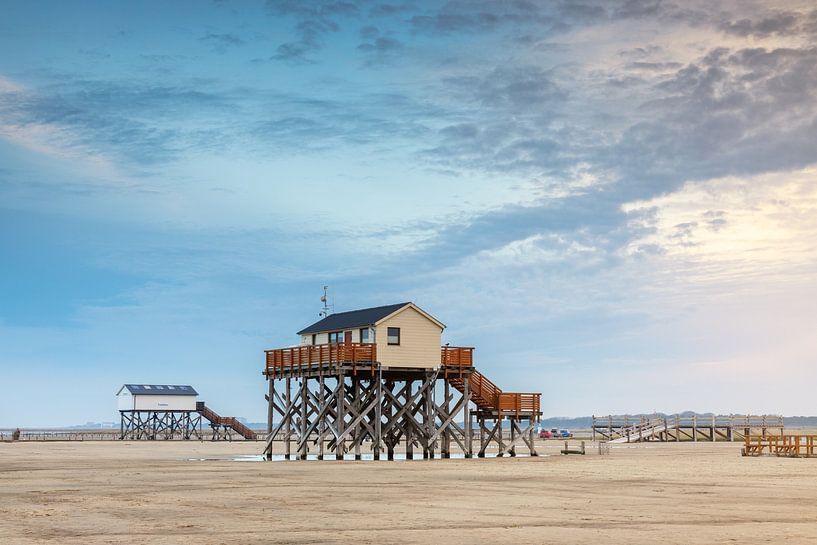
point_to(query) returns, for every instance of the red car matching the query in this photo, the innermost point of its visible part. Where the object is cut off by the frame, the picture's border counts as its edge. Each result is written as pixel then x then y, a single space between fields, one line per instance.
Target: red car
pixel 545 434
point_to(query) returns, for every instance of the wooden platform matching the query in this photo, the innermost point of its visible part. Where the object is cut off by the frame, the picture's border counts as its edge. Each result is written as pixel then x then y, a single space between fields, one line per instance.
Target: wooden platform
pixel 792 446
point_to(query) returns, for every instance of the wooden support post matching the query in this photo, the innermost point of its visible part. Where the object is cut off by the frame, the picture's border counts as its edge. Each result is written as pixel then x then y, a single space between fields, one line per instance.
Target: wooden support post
pixel 377 441
pixel 357 408
pixel 466 411
pixel 446 442
pixel 389 415
pixel 429 417
pixel 512 450
pixel 500 438
pixel 303 423
pixel 407 428
pixel 270 405
pixel 482 430
pixel 321 417
pixel 340 420
pixel 531 438
pixel 288 429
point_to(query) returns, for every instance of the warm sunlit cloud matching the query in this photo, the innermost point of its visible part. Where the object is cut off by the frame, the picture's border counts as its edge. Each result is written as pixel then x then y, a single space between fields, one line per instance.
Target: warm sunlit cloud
pixel 733 227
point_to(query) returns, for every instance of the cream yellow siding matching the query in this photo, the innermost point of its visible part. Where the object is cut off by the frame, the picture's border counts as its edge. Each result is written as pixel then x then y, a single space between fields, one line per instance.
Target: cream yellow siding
pixel 419 340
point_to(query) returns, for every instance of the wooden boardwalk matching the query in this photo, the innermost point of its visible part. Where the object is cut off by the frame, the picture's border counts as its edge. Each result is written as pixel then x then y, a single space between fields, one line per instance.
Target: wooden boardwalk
pixel 676 428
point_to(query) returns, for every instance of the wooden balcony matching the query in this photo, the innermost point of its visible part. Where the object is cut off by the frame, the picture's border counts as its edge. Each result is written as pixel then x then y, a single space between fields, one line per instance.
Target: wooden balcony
pixel 516 403
pixel 457 356
pixel 304 357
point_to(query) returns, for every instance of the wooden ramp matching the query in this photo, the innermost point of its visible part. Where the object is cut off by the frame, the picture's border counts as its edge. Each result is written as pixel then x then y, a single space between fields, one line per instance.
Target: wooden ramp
pixel 642 432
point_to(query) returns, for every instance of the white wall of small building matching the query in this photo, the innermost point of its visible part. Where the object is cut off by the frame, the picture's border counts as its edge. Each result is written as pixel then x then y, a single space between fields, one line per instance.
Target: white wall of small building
pixel 141 402
pixel 124 400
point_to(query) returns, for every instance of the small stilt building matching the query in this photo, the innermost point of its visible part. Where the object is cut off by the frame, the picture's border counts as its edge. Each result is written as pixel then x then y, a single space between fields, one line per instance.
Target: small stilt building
pixel 378 379
pixel 171 411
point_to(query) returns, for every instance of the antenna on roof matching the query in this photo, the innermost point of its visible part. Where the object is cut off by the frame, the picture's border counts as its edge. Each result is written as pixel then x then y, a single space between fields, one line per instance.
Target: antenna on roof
pixel 327 308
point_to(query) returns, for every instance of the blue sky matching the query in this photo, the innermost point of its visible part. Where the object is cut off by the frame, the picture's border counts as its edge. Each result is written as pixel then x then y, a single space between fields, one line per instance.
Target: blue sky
pixel 615 202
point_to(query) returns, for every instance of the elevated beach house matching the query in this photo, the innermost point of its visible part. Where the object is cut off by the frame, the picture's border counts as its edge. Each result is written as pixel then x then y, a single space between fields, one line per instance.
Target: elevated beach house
pixel 404 334
pixel 381 377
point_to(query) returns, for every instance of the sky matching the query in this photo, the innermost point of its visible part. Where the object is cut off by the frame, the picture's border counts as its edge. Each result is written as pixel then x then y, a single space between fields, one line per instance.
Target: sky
pixel 614 201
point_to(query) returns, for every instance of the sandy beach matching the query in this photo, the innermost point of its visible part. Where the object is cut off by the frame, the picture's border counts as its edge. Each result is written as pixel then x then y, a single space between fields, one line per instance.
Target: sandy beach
pixel 191 492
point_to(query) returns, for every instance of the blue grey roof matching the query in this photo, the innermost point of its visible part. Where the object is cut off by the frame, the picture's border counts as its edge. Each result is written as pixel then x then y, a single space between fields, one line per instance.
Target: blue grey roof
pixel 353 318
pixel 160 389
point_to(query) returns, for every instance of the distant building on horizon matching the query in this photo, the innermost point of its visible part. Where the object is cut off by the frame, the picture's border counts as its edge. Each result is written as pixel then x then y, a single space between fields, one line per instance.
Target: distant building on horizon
pixel 156 397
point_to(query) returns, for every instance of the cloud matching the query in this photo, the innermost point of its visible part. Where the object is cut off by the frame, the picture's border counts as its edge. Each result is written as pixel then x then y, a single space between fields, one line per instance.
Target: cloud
pixel 221 42
pixel 380 45
pixel 142 123
pixel 315 20
pixel 733 227
pixel 779 23
pixel 390 10
pixel 378 48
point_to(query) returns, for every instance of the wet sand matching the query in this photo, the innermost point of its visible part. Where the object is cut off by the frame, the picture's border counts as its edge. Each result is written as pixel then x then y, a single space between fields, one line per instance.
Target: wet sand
pixel 151 492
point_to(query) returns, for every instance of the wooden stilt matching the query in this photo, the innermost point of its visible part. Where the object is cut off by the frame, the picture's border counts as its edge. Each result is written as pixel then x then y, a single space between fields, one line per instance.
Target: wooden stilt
pixel 408 430
pixel 288 430
pixel 446 441
pixel 469 450
pixel 321 417
pixel 500 437
pixel 512 449
pixel 340 420
pixel 377 441
pixel 355 412
pixel 303 423
pixel 531 439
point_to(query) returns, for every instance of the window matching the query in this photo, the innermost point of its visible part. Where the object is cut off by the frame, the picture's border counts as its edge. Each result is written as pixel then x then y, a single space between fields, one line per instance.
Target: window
pixel 314 339
pixel 364 335
pixel 394 335
pixel 336 337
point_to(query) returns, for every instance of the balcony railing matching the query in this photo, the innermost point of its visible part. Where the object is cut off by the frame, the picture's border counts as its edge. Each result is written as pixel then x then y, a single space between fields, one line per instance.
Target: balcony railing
pixel 303 357
pixel 518 403
pixel 457 356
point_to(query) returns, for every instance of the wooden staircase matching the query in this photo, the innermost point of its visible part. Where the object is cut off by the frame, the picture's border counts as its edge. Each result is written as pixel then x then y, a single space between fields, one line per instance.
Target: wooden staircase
pixel 228 421
pixel 490 398
pixel 483 392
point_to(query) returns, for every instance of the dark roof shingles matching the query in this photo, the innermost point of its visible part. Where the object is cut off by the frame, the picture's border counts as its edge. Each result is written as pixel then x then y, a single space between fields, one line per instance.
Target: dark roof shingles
pixel 352 318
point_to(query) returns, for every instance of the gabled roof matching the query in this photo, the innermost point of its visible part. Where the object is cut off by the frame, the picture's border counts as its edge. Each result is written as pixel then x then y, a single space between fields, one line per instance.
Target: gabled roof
pixel 159 389
pixel 352 318
pixel 360 318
